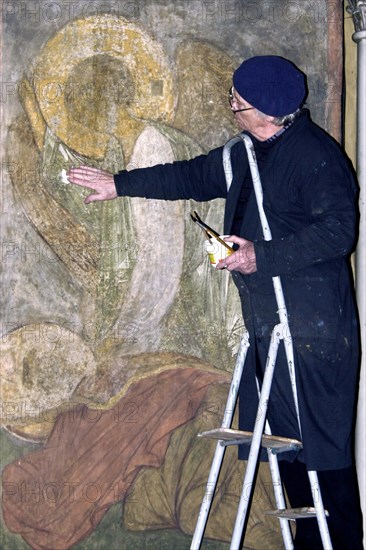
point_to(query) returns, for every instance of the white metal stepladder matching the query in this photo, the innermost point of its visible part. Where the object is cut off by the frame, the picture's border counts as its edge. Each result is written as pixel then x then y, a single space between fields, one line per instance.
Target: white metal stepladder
pixel 261 435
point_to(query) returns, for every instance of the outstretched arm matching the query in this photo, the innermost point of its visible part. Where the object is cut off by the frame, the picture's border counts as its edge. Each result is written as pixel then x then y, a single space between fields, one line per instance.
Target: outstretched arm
pixel 100 181
pixel 201 179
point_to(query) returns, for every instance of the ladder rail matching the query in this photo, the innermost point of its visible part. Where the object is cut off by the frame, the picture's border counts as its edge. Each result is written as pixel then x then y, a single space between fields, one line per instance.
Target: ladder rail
pixel 280 498
pixel 220 449
pixel 277 285
pixel 282 313
pixel 255 446
pixel 319 510
pixel 277 488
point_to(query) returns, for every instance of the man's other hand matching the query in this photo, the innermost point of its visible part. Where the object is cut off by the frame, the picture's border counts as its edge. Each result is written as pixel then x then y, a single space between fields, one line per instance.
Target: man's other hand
pixel 243 259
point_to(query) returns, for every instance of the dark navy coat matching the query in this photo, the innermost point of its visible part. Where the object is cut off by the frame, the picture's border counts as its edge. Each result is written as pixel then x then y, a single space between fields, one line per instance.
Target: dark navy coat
pixel 310 200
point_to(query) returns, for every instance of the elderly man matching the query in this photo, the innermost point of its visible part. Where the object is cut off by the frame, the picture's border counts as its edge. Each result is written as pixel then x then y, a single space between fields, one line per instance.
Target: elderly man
pixel 310 203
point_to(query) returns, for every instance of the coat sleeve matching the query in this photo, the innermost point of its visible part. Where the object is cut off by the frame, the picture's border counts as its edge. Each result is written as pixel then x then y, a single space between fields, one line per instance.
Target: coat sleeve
pixel 201 179
pixel 328 197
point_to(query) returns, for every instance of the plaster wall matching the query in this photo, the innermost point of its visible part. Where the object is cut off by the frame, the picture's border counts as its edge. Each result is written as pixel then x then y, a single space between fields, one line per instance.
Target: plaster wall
pixel 89 313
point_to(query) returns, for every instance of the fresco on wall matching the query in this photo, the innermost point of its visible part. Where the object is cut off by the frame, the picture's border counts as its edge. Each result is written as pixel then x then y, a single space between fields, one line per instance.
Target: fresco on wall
pixel 118 337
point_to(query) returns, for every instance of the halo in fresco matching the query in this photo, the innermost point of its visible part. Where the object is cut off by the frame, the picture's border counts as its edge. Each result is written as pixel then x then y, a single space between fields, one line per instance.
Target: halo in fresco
pixel 144 90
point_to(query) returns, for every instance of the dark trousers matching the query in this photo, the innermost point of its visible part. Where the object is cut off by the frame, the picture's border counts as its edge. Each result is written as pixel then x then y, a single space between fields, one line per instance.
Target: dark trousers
pixel 340 495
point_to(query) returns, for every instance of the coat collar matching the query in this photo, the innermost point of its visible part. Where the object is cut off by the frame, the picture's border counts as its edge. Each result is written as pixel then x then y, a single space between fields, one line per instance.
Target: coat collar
pixel 240 167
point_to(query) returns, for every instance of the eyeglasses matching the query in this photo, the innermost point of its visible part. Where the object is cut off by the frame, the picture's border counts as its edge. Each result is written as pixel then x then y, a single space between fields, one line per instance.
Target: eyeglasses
pixel 232 98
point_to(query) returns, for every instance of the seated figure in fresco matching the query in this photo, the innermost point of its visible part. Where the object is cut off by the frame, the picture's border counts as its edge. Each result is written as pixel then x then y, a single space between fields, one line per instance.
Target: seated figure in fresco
pixel 126 397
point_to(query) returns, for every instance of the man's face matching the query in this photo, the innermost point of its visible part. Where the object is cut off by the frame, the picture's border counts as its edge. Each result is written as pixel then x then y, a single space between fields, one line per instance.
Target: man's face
pixel 248 118
pixel 245 114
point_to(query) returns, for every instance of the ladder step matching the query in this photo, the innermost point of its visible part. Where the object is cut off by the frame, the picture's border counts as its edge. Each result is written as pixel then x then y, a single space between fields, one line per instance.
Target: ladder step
pixel 228 436
pixel 294 513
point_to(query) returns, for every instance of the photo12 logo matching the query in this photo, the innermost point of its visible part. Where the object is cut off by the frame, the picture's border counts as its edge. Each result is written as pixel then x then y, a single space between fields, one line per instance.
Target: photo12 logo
pixel 32 11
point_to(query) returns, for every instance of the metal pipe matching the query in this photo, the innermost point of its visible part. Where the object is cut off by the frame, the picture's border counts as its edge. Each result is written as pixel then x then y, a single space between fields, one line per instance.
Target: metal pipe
pixel 361 261
pixel 358 12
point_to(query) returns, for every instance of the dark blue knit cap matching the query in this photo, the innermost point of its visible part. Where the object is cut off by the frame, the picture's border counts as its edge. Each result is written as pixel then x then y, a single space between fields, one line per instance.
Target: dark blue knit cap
pixel 270 83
